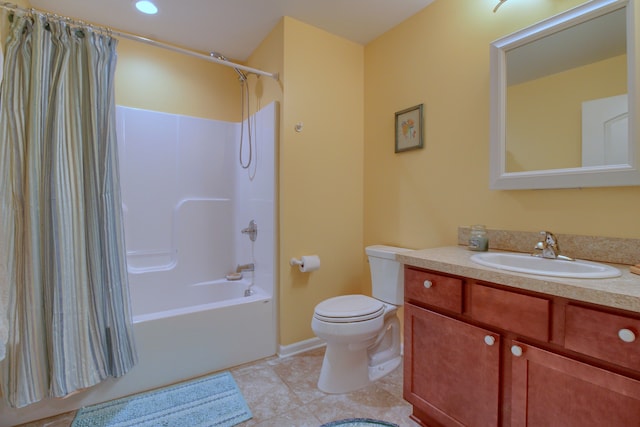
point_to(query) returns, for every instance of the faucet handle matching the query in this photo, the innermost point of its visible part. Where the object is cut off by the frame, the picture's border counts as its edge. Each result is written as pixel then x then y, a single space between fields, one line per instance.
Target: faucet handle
pixel 549 239
pixel 547 247
pixel 542 243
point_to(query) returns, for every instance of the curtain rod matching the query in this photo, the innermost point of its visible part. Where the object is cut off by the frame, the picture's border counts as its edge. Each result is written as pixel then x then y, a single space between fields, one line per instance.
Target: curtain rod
pixel 145 40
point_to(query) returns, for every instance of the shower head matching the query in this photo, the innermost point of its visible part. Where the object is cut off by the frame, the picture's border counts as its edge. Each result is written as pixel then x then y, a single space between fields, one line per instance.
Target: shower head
pixel 241 76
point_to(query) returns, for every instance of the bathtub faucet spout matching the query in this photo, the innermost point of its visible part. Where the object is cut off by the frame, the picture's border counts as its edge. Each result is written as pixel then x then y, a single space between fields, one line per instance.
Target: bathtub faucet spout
pixel 245 267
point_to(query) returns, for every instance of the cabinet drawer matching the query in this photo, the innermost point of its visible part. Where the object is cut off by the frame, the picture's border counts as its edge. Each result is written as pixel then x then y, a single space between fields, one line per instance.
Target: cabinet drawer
pixel 600 334
pixel 433 289
pixel 522 314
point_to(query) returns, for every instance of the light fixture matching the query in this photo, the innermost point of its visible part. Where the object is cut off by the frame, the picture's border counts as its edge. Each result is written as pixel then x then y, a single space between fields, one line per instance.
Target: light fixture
pixel 147 7
pixel 495 9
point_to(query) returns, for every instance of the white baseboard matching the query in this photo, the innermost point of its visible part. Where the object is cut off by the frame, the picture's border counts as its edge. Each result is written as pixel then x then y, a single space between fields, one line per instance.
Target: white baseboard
pixel 300 347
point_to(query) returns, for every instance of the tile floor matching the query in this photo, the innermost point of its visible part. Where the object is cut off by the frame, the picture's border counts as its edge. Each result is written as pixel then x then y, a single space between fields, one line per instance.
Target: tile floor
pixel 282 392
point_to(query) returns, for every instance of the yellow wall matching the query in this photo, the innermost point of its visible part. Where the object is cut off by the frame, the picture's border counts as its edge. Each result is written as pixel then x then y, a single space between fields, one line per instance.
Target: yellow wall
pixel 440 57
pixel 321 172
pixel 158 79
pixel 268 56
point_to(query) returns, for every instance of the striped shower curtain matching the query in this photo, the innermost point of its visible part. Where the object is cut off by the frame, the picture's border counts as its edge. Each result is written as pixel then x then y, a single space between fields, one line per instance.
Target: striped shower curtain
pixel 68 314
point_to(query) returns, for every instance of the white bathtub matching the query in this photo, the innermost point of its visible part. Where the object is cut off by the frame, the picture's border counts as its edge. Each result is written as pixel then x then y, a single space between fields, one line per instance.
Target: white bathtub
pixel 222 329
pixel 193 298
pixel 201 328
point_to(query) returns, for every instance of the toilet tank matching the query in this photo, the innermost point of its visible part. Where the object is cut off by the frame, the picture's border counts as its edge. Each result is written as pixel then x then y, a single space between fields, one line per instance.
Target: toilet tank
pixel 387 279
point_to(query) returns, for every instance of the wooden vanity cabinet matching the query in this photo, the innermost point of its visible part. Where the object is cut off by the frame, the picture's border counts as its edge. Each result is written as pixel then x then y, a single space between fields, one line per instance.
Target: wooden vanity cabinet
pixel 478 354
pixel 455 379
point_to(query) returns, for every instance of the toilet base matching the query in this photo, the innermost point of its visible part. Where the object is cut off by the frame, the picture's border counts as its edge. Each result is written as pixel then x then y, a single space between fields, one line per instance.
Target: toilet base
pixel 350 366
pixel 343 369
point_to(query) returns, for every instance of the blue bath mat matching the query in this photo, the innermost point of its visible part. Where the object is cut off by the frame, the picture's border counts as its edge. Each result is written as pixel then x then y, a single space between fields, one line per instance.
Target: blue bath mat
pixel 359 422
pixel 213 401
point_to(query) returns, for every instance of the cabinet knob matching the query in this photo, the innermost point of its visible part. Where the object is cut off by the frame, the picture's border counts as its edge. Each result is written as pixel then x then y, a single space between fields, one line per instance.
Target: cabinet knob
pixel 428 284
pixel 489 340
pixel 516 350
pixel 626 335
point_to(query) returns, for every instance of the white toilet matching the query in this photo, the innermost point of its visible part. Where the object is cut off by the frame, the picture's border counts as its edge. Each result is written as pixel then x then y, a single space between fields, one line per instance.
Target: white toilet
pixel 362 333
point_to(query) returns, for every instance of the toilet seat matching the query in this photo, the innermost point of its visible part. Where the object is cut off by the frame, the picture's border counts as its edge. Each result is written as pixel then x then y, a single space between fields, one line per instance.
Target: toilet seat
pixel 349 308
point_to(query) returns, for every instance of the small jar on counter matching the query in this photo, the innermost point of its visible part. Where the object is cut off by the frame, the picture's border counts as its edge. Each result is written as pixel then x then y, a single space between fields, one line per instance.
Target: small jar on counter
pixel 478 240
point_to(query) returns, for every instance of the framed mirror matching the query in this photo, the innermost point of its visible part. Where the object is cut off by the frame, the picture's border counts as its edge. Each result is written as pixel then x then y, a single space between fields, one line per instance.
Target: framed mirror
pixel 564 101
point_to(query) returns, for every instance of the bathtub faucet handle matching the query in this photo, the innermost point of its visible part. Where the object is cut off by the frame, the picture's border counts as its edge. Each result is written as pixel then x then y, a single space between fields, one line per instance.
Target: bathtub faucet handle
pixel 251 230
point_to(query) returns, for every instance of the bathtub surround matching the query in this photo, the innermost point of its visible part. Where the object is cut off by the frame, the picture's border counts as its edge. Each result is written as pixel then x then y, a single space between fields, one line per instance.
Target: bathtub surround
pixel 213 401
pixel 70 324
pixel 187 200
pixel 183 308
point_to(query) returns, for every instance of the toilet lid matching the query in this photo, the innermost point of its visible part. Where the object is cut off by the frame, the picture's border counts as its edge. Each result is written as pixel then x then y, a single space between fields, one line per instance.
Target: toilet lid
pixel 349 308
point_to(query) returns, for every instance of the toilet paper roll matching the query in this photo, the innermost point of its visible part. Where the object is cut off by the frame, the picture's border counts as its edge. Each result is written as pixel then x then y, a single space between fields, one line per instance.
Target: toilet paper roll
pixel 309 263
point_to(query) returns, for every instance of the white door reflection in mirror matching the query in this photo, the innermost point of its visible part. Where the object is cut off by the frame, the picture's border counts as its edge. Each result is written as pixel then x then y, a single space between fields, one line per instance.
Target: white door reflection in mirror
pixel 605 136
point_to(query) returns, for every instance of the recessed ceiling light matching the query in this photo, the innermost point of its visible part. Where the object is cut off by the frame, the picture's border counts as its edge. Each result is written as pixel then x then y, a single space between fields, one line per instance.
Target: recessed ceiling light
pixel 147 7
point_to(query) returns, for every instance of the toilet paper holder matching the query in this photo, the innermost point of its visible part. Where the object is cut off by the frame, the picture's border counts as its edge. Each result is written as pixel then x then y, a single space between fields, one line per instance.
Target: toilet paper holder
pixel 294 261
pixel 306 263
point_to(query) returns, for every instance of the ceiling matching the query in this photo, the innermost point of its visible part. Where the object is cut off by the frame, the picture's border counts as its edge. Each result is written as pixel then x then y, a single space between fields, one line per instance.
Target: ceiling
pixel 236 27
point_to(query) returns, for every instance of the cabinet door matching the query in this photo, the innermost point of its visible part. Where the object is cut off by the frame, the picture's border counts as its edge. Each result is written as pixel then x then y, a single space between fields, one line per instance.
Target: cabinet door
pixel 553 390
pixel 451 369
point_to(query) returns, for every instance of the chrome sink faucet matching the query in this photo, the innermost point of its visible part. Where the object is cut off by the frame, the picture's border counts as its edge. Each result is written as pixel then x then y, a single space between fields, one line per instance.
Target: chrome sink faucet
pixel 549 247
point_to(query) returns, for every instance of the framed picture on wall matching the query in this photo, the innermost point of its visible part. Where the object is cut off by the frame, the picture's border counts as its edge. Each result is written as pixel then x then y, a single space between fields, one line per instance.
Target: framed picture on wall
pixel 409 129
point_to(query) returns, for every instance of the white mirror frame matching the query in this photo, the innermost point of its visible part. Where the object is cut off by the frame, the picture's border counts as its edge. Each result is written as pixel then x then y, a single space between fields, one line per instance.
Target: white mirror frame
pixel 592 176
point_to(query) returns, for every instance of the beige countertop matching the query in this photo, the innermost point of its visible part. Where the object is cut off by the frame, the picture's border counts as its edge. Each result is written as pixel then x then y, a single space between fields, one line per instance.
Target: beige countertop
pixel 621 292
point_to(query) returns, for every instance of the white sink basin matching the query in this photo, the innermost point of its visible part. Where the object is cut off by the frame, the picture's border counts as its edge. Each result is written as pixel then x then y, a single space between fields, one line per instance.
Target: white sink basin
pixel 525 263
